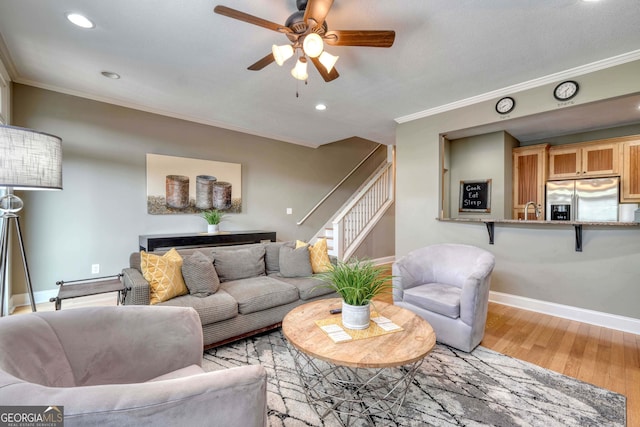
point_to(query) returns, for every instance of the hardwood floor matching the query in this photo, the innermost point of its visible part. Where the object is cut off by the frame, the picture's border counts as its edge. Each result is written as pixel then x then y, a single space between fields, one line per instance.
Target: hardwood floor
pixel 604 357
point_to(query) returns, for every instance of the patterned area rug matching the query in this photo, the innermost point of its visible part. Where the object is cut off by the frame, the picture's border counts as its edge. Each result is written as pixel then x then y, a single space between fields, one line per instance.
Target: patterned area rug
pixel 452 388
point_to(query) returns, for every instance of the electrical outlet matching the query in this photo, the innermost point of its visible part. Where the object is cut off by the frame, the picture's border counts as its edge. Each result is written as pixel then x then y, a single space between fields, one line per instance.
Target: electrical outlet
pixel 289 211
pixel 95 268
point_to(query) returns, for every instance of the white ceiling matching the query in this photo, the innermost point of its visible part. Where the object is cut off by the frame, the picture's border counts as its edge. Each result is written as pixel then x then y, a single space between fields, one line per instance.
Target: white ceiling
pixel 180 59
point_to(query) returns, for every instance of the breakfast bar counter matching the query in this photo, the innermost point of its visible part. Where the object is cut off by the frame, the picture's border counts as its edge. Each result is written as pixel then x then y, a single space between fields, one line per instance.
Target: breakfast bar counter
pixel 491 223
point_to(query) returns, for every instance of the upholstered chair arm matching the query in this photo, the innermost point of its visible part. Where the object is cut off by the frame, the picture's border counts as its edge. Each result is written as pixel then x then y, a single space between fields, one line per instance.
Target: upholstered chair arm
pixel 475 292
pixel 406 274
pixel 140 343
pixel 396 281
pixel 138 291
pixel 230 397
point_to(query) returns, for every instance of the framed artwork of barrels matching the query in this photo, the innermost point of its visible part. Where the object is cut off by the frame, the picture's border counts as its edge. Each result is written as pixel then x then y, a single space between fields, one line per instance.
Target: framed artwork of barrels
pixel 179 185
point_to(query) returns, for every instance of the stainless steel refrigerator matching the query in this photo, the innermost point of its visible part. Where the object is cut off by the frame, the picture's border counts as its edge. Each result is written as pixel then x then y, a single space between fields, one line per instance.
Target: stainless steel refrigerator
pixel 594 199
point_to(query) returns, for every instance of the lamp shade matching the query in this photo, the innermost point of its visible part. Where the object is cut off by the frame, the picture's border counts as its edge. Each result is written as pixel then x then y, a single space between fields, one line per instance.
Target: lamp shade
pixel 328 60
pixel 312 45
pixel 282 53
pixel 300 70
pixel 30 160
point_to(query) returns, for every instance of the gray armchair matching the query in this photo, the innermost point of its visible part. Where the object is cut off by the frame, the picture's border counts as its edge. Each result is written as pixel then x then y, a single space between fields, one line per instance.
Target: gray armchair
pixel 124 366
pixel 448 286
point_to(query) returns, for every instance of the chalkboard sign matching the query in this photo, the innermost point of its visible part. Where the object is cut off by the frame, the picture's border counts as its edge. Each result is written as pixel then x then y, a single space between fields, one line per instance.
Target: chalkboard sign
pixel 475 196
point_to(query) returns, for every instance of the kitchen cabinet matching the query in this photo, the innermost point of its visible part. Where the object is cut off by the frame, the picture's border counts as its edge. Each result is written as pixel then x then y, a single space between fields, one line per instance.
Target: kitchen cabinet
pixel 529 177
pixel 630 171
pixel 600 158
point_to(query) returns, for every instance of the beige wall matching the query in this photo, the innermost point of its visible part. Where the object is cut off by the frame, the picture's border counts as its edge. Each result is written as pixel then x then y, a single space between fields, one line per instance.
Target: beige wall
pixel 98 216
pixel 479 158
pixel 534 262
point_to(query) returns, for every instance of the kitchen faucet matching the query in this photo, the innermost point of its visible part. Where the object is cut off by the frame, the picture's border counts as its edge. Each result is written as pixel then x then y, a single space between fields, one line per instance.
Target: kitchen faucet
pixel 536 209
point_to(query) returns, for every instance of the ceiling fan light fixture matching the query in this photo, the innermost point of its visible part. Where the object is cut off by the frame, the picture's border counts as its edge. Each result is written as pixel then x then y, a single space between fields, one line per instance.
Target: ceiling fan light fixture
pixel 313 45
pixel 300 70
pixel 328 60
pixel 282 53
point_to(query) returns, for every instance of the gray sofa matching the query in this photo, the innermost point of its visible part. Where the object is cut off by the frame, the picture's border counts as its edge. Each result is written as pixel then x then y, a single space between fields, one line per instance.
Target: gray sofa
pixel 258 287
pixel 124 366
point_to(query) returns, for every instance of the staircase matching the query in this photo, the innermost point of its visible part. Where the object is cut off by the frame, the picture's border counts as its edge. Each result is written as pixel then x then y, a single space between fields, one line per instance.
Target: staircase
pixel 348 228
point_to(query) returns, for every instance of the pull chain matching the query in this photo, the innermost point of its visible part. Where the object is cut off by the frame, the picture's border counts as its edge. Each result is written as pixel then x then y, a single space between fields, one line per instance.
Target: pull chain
pixel 306 82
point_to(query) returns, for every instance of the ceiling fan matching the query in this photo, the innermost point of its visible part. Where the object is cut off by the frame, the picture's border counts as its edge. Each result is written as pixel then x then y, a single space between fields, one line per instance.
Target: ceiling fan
pixel 307 31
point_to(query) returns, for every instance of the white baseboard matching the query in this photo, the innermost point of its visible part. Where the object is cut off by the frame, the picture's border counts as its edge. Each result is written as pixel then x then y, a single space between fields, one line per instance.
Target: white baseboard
pixel 19 300
pixel 384 260
pixel 598 318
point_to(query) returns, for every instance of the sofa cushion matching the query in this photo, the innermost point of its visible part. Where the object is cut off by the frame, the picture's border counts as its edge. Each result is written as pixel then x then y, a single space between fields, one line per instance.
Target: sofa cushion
pixel 308 287
pixel 199 274
pixel 437 297
pixel 240 263
pixel 260 293
pixel 295 262
pixel 164 274
pixel 318 254
pixel 213 308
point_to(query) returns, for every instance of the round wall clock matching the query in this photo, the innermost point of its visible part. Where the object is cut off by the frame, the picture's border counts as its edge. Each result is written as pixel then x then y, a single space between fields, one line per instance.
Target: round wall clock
pixel 505 105
pixel 566 90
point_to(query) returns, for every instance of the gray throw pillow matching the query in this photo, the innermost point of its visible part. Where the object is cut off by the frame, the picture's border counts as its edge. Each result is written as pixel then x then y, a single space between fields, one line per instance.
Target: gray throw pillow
pixel 272 255
pixel 199 275
pixel 295 262
pixel 236 264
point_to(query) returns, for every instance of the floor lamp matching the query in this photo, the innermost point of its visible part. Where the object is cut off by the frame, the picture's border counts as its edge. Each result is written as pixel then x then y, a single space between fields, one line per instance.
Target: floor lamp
pixel 29 160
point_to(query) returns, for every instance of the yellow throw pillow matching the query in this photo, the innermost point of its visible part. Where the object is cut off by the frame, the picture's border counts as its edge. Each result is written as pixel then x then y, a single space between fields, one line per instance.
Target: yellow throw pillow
pixel 318 255
pixel 164 274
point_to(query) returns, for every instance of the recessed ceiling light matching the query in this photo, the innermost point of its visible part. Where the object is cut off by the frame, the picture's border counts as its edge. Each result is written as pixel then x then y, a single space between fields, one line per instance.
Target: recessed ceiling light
pixel 321 107
pixel 80 20
pixel 111 75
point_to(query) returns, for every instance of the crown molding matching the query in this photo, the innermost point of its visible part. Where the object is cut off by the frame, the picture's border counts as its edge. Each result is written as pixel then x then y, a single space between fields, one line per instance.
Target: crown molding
pixel 531 84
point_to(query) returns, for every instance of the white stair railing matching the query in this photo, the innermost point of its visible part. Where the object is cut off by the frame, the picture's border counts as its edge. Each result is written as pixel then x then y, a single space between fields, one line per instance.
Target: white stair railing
pixel 313 209
pixel 360 215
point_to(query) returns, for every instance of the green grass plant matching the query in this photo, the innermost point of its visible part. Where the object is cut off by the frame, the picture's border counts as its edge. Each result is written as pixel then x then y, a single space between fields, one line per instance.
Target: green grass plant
pixel 357 281
pixel 213 216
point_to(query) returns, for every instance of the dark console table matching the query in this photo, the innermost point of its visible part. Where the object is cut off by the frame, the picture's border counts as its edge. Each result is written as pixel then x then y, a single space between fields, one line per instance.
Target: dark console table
pixel 151 242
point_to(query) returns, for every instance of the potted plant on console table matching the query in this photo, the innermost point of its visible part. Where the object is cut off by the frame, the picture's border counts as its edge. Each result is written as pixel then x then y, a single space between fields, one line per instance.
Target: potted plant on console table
pixel 213 218
pixel 357 282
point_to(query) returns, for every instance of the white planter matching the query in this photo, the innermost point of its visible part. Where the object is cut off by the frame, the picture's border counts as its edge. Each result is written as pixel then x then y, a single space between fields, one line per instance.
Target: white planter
pixel 213 228
pixel 355 316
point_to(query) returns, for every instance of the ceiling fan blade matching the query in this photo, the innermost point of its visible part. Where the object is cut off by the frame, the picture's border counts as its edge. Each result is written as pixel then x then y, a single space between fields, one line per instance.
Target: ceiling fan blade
pixel 245 17
pixel 360 38
pixel 259 65
pixel 317 10
pixel 327 76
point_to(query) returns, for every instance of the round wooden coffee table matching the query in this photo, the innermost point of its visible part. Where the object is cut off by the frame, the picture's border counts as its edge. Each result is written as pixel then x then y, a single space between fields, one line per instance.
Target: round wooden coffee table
pixel 359 378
